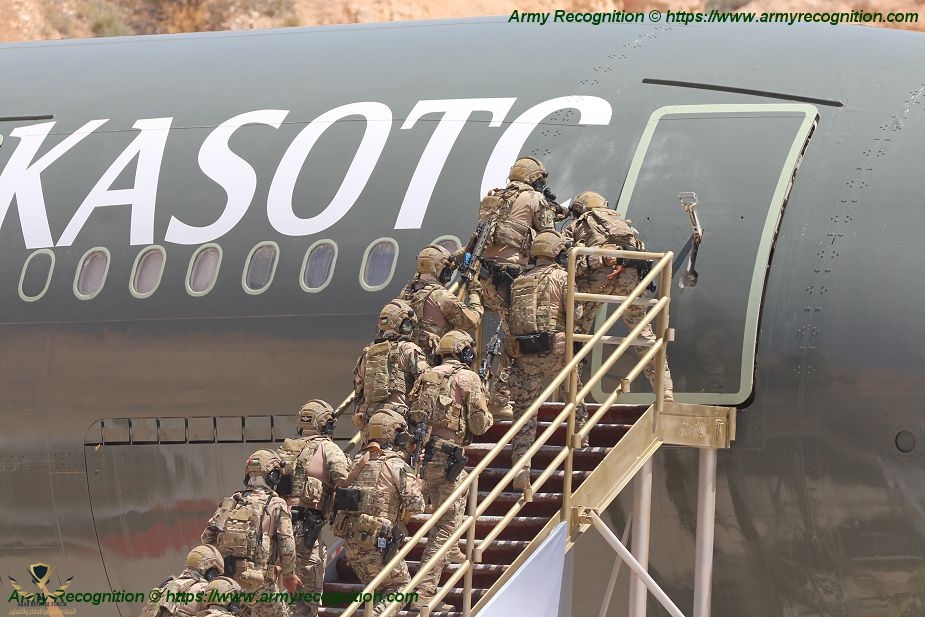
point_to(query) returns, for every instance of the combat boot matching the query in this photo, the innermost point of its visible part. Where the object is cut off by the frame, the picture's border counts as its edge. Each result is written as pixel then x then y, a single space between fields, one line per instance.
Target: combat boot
pixel 522 479
pixel 501 412
pixel 456 555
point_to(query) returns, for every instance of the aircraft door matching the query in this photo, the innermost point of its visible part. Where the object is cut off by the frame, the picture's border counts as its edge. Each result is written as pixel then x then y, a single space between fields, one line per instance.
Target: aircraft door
pixel 741 161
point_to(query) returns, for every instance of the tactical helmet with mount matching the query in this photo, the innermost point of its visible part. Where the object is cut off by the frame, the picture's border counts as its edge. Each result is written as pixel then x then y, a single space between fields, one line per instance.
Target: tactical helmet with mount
pixel 528 170
pixel 265 463
pixel 316 415
pixel 436 261
pixel 586 201
pixel 457 344
pixel 224 592
pixel 207 560
pixel 397 320
pixel 387 428
pixel 549 244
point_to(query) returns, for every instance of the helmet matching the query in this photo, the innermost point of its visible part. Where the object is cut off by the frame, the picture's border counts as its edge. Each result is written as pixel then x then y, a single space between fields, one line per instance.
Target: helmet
pixel 386 427
pixel 528 170
pixel 316 415
pixel 549 244
pixel 397 320
pixel 585 201
pixel 264 463
pixel 436 261
pixel 458 344
pixel 225 592
pixel 207 560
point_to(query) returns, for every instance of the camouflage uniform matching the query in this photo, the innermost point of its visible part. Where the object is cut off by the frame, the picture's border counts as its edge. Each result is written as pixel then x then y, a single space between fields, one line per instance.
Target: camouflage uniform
pixel 275 554
pixel 214 612
pixel 397 364
pixel 449 424
pixel 530 374
pixel 317 456
pixel 189 582
pixel 438 311
pixel 391 491
pixel 601 227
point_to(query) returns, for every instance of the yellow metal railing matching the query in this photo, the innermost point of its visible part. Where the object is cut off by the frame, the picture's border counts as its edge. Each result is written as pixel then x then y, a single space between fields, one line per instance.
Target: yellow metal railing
pixel 475 507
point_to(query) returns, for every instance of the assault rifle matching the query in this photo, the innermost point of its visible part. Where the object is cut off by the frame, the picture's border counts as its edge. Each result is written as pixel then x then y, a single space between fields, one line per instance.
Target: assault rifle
pixel 469 268
pixel 491 350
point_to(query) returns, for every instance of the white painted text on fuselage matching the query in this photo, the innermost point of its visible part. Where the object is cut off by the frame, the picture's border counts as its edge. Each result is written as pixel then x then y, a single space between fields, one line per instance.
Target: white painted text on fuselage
pixel 21 178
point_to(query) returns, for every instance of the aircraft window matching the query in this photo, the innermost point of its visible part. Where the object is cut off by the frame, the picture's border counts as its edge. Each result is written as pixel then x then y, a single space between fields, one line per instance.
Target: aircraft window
pixel 91 274
pixel 36 275
pixel 147 271
pixel 318 265
pixel 203 269
pixel 261 266
pixel 450 243
pixel 378 264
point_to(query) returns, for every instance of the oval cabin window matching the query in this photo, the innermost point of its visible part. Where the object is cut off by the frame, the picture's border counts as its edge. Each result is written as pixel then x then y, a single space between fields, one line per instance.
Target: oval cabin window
pixel 203 270
pixel 261 266
pixel 148 270
pixel 379 264
pixel 91 274
pixel 318 266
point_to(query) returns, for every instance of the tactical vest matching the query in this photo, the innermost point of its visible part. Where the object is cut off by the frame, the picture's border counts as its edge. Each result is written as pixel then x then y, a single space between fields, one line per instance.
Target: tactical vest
pixel 305 462
pixel 433 402
pixel 241 534
pixel 426 334
pixel 496 208
pixel 382 374
pixel 164 607
pixel 532 307
pixel 600 226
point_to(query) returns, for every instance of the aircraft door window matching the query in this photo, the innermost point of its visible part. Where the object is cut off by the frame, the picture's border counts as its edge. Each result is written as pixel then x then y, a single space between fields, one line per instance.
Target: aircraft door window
pixel 36 275
pixel 91 273
pixel 260 268
pixel 203 269
pixel 450 243
pixel 147 271
pixel 378 264
pixel 740 160
pixel 318 265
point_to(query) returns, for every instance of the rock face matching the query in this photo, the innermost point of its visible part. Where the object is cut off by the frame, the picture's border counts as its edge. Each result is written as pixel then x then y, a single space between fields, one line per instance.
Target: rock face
pixel 24 20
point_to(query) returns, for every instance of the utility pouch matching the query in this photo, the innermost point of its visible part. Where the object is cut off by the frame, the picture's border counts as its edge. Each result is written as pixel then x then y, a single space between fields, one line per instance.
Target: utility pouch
pixel 484 271
pixel 296 512
pixel 347 499
pixel 533 344
pixel 229 565
pixel 457 461
pixel 313 521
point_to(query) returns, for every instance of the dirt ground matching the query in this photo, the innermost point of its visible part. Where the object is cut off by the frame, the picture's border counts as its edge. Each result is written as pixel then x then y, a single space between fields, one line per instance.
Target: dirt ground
pixel 24 20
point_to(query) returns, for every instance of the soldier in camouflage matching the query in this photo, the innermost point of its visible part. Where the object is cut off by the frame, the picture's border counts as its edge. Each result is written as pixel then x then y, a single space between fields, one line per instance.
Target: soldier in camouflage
pixel 537 341
pixel 389 366
pixel 594 224
pixel 253 531
pixel 437 310
pixel 381 492
pixel 221 598
pixel 203 564
pixel 513 216
pixel 448 399
pixel 315 465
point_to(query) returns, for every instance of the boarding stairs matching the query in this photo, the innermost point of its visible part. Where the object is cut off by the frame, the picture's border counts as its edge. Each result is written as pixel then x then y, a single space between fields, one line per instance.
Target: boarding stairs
pixel 568 482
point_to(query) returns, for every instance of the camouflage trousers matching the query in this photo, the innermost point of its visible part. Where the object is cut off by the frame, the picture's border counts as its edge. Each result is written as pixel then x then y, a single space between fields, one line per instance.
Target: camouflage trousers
pixel 309 565
pixel 529 377
pixel 596 281
pixel 368 564
pixel 266 609
pixel 437 489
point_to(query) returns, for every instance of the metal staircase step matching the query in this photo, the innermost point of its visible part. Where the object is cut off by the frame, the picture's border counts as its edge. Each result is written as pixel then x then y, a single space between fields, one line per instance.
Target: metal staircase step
pixel 601 435
pixel 501 552
pixel 490 478
pixel 453 597
pixel 617 414
pixel 520 528
pixel 586 459
pixel 484 574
